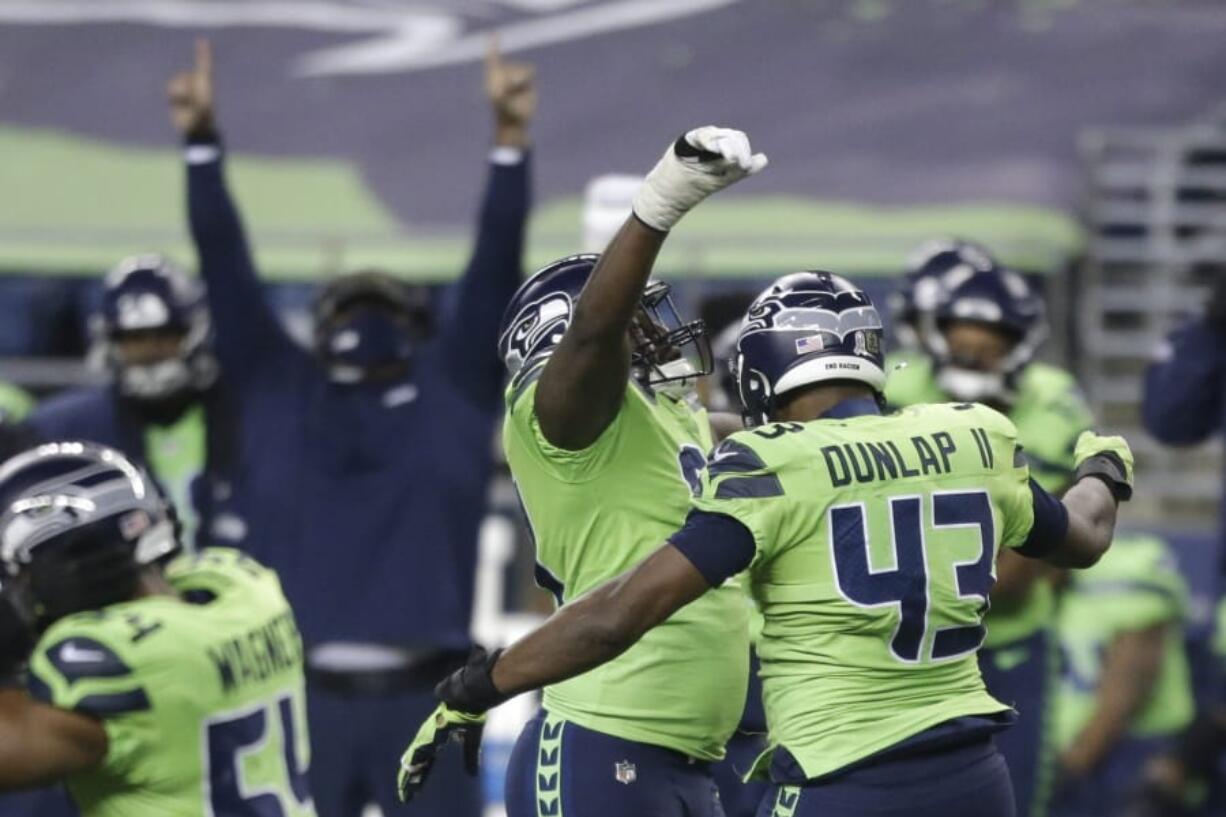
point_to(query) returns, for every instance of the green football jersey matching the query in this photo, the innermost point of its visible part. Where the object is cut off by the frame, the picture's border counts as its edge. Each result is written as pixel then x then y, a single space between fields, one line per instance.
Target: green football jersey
pixel 177 455
pixel 202 696
pixel 598 512
pixel 876 541
pixel 15 403
pixel 1050 415
pixel 1219 633
pixel 1136 585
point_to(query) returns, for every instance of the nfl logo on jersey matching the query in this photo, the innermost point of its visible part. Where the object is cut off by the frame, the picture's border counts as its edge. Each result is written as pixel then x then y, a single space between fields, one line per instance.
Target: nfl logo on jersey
pixel 625 772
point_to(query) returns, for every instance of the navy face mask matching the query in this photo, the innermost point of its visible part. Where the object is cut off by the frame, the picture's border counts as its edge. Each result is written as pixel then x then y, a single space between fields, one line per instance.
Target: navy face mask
pixel 367 344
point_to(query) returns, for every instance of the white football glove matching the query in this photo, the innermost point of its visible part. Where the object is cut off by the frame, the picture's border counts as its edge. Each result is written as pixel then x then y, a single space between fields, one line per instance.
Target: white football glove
pixel 695 166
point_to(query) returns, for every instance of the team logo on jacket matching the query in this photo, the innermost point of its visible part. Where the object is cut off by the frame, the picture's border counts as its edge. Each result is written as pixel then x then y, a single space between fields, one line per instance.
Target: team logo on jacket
pixel 625 772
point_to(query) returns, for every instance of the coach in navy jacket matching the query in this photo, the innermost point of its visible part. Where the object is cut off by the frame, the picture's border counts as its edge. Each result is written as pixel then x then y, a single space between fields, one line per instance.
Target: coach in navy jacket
pixel 366 497
pixel 1184 388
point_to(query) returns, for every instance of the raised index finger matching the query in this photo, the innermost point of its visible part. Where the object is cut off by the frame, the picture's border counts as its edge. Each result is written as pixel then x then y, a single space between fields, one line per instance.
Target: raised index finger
pixel 493 53
pixel 204 57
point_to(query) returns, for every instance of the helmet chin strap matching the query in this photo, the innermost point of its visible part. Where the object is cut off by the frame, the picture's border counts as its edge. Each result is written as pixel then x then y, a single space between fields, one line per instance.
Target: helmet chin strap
pixel 972 386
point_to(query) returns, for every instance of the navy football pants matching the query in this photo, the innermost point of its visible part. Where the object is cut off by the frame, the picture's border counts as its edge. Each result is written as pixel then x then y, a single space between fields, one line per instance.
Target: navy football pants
pixel 558 768
pixel 742 799
pixel 50 802
pixel 1023 675
pixel 967 781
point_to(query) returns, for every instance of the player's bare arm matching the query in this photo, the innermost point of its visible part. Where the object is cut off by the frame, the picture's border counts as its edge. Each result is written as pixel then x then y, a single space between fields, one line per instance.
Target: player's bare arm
pixel 41 745
pixel 1132 666
pixel 581 387
pixel 602 624
pixel 1104 479
pixel 585 633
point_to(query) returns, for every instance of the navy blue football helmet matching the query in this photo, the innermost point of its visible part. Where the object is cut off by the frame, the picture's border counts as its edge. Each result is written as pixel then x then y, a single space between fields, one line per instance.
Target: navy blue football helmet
pixel 78 523
pixel 806 328
pixel 665 349
pixel 368 326
pixel 1002 300
pixel 918 294
pixel 148 294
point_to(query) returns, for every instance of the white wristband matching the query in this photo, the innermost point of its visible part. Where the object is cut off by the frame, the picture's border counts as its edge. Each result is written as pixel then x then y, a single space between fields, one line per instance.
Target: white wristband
pixel 201 154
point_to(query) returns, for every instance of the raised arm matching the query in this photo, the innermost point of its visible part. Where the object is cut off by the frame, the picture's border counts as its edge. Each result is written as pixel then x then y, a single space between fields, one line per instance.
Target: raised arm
pixel 246 327
pixel 581 387
pixel 472 308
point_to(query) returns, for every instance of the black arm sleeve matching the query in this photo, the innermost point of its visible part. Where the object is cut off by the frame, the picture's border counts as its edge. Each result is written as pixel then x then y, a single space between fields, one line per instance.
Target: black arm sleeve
pixel 1050 524
pixel 718 545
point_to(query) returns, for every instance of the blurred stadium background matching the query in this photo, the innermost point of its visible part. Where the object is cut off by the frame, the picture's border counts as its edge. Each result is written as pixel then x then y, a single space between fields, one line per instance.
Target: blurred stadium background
pixel 1084 141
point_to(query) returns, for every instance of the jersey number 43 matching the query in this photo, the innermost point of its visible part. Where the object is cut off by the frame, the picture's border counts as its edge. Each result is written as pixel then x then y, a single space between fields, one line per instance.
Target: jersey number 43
pixel 907 584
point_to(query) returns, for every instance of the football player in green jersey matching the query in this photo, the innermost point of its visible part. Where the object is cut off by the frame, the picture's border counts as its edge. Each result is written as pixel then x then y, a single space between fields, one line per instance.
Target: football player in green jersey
pixel 870 542
pixel 976 327
pixel 1126 693
pixel 1175 783
pixel 157 686
pixel 605 440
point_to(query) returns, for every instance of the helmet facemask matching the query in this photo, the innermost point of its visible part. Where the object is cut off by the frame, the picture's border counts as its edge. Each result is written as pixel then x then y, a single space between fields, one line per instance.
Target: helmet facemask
pixel 182 373
pixel 974 377
pixel 154 333
pixel 668 354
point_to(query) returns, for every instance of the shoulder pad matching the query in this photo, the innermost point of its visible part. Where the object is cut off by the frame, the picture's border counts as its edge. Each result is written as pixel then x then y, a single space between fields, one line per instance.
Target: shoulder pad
pixel 744 465
pixel 78 666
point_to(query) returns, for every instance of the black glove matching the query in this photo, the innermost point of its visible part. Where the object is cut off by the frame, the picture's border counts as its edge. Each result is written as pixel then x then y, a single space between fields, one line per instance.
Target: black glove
pixel 471 688
pixel 16 641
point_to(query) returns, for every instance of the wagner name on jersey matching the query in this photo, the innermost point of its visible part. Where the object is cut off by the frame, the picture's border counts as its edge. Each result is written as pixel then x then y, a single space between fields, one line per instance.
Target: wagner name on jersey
pixel 876 539
pixel 202 696
pixel 597 512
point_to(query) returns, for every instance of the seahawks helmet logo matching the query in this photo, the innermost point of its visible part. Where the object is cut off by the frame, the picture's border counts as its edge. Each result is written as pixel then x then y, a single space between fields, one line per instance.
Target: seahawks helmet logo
pixel 537 328
pixel 773 314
